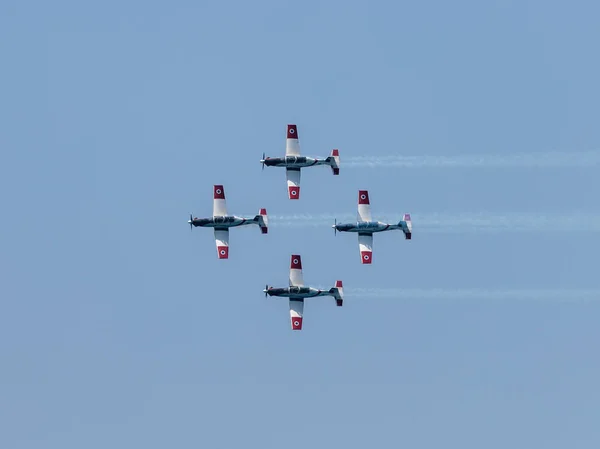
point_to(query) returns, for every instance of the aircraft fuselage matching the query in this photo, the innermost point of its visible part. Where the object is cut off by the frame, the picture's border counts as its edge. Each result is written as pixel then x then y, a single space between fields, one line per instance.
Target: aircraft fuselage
pixel 297 292
pixel 367 227
pixel 295 161
pixel 229 221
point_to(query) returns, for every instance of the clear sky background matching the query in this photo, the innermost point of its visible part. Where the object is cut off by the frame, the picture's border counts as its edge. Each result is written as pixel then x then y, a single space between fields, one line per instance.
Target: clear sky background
pixel 120 327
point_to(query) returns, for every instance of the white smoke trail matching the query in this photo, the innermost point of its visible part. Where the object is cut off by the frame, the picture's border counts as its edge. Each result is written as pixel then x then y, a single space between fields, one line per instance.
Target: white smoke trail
pixel 535 294
pixel 549 159
pixel 445 223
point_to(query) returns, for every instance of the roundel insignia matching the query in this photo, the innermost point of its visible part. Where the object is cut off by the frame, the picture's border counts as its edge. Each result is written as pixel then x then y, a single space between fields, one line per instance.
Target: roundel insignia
pixel 293 192
pixel 366 257
pixel 291 130
pixel 296 323
pixel 295 261
pixel 219 191
pixel 222 252
pixel 363 196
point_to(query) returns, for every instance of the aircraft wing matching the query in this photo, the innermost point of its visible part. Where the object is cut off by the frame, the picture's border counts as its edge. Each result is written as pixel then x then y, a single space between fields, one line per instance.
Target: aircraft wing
pixel 293 183
pixel 364 206
pixel 296 312
pixel 222 241
pixel 292 145
pixel 296 278
pixel 219 203
pixel 365 245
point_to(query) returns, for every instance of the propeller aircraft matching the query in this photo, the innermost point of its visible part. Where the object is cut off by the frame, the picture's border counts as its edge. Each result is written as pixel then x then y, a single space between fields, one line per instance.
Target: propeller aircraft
pixel 294 162
pixel 297 292
pixel 366 227
pixel 221 221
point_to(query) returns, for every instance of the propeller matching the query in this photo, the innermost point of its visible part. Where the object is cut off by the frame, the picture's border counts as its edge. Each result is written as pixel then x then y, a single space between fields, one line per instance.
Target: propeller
pixel 190 222
pixel 266 289
pixel 262 161
pixel 335 226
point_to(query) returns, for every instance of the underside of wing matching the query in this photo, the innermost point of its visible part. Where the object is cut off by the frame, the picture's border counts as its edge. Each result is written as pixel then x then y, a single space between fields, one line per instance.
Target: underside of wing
pixel 296 277
pixel 364 206
pixel 219 202
pixel 296 313
pixel 222 241
pixel 293 183
pixel 292 145
pixel 365 245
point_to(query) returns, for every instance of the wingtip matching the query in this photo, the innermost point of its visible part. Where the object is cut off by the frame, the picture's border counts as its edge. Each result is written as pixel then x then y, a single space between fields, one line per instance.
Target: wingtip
pixel 296 323
pixel 292 131
pixel 366 257
pixel 363 197
pixel 296 262
pixel 294 192
pixel 218 192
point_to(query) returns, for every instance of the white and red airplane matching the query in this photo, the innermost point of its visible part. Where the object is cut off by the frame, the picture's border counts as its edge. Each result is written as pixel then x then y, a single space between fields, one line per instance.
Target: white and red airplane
pixel 366 227
pixel 221 221
pixel 293 162
pixel 297 292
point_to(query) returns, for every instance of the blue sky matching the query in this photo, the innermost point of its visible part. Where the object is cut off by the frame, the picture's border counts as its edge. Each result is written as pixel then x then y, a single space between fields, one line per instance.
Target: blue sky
pixel 120 327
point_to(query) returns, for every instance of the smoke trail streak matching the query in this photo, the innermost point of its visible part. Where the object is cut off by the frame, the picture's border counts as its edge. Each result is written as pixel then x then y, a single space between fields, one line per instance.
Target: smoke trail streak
pixel 436 222
pixel 550 159
pixel 535 294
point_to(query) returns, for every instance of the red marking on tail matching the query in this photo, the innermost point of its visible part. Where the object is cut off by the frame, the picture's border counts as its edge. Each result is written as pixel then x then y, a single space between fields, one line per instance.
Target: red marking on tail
pixel 292 132
pixel 264 230
pixel 363 197
pixel 294 192
pixel 339 284
pixel 335 153
pixel 263 212
pixel 218 192
pixel 336 171
pixel 296 323
pixel 339 302
pixel 223 252
pixel 296 262
pixel 366 256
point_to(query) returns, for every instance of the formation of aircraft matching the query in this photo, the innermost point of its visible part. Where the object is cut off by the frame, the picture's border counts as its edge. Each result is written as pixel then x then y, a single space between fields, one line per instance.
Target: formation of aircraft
pixel 297 292
pixel 366 227
pixel 293 162
pixel 221 221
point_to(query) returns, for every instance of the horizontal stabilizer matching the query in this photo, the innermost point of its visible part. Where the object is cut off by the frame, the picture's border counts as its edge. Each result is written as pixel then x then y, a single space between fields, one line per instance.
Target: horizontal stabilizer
pixel 263 221
pixel 334 161
pixel 338 293
pixel 407 226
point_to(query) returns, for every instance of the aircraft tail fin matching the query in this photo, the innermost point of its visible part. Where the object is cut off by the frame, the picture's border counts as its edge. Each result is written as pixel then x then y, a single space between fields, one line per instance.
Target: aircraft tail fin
pixel 263 221
pixel 334 161
pixel 338 293
pixel 406 225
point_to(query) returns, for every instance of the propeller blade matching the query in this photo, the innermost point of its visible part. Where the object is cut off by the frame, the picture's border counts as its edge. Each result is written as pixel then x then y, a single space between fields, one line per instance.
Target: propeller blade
pixel 263 161
pixel 335 226
pixel 191 219
pixel 266 288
